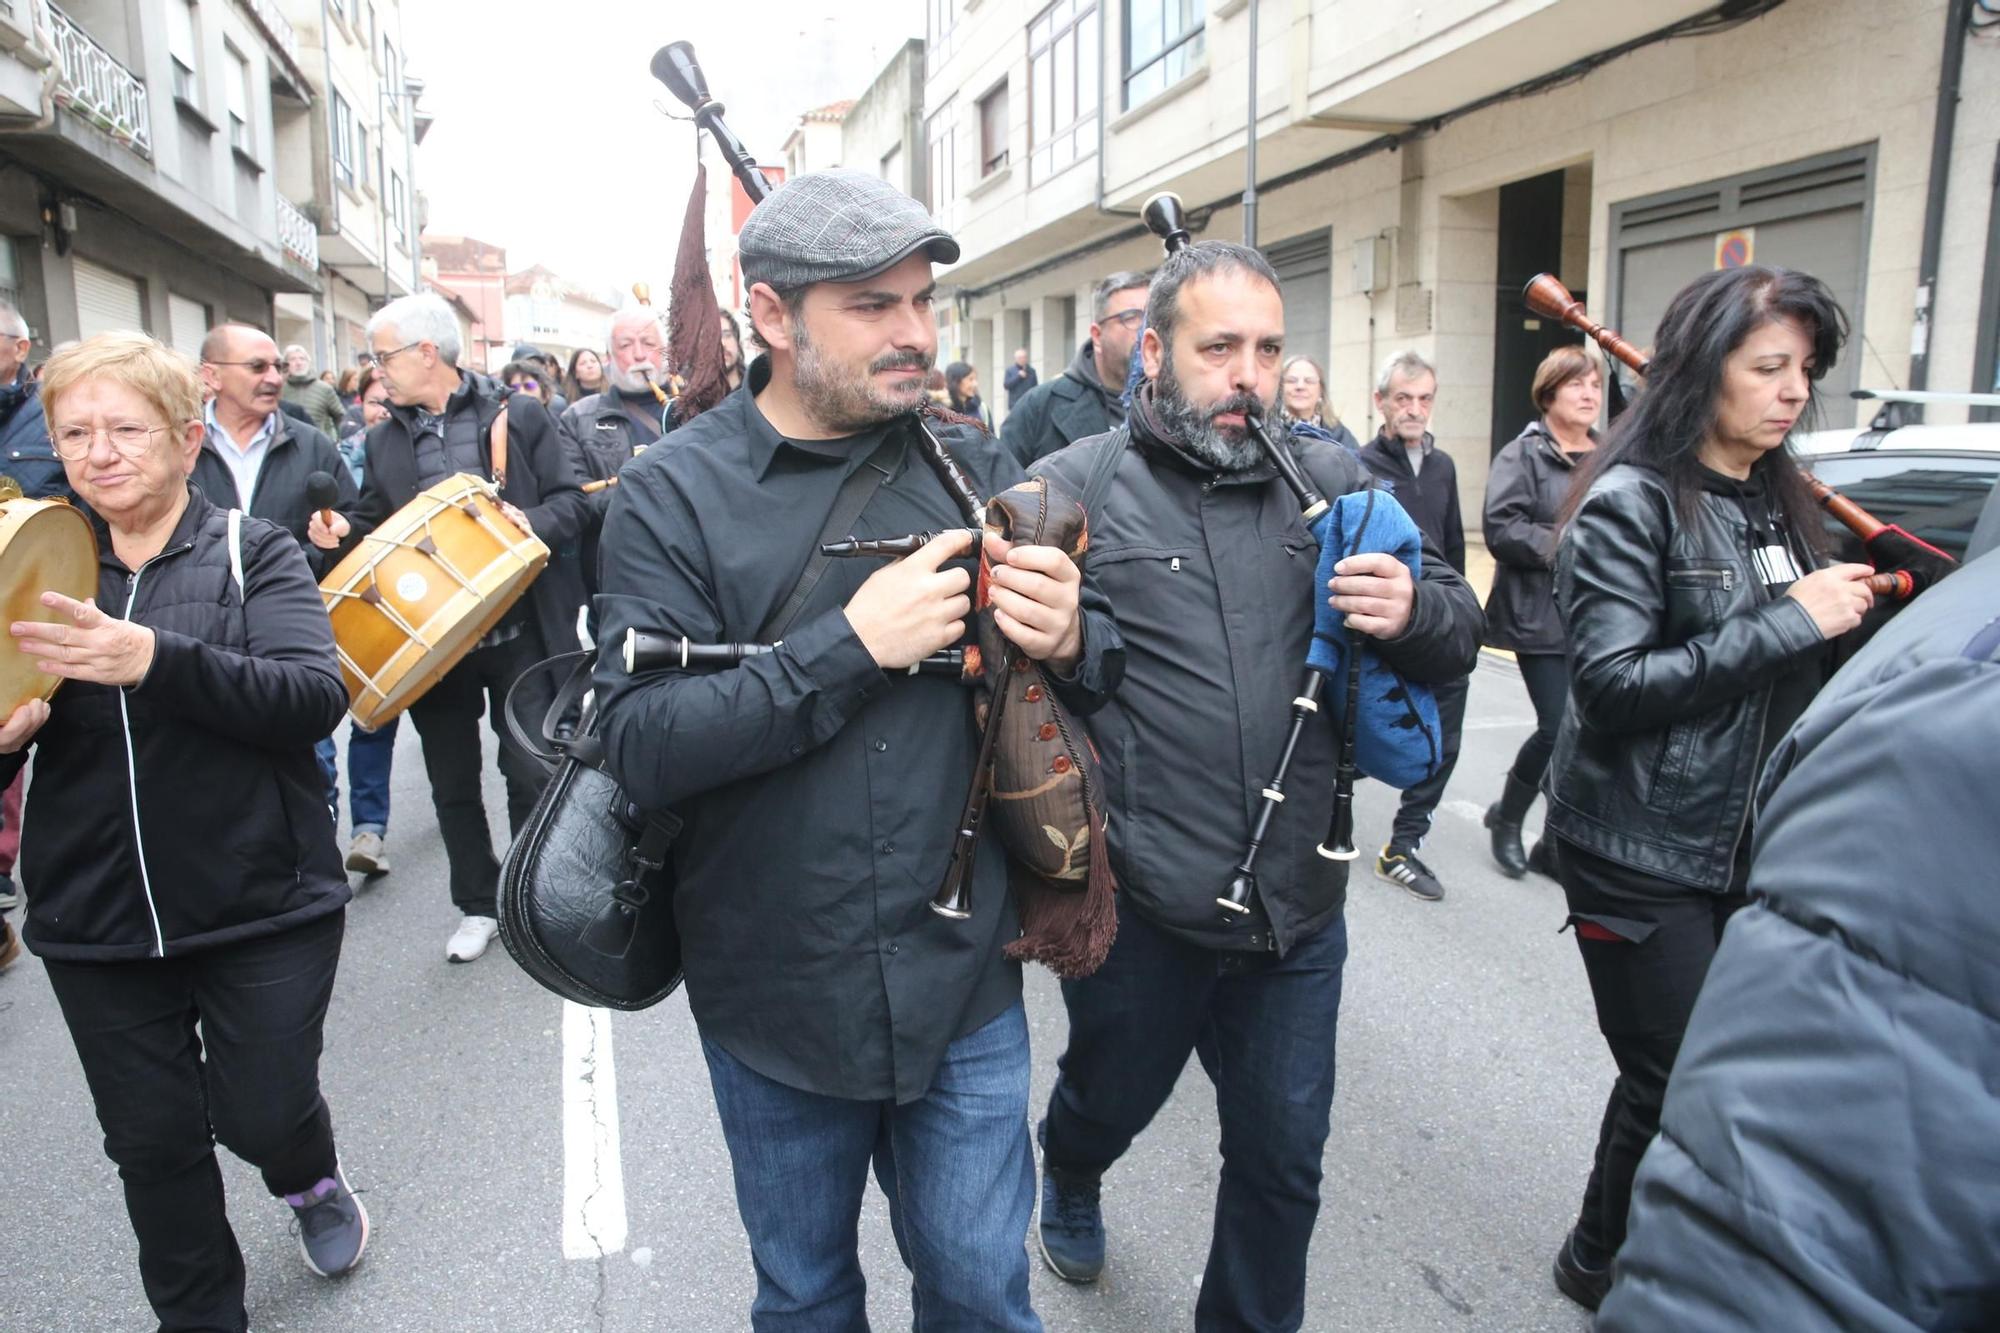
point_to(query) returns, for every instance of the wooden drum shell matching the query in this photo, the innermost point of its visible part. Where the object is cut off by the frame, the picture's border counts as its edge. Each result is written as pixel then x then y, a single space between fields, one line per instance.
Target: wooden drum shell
pixel 45 545
pixel 420 591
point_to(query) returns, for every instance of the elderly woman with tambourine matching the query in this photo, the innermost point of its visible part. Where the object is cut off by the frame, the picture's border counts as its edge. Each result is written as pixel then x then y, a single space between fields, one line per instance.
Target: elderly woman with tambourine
pixel 1701 615
pixel 182 874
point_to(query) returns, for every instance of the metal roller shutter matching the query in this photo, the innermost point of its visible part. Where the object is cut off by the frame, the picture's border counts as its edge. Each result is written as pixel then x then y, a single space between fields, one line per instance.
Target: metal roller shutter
pixel 188 325
pixel 1305 275
pixel 107 300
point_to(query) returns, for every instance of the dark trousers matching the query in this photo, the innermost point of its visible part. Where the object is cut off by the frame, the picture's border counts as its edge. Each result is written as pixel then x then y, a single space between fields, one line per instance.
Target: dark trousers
pixel 1547 677
pixel 184 1052
pixel 1413 816
pixel 447 720
pixel 1646 961
pixel 1265 1029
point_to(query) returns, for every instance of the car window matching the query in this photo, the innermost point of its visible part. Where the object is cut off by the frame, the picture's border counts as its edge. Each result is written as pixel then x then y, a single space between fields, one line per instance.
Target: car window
pixel 1937 499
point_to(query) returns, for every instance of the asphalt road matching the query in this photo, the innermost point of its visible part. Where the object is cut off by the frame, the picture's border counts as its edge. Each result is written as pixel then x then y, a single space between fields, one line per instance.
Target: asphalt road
pixel 1471 1081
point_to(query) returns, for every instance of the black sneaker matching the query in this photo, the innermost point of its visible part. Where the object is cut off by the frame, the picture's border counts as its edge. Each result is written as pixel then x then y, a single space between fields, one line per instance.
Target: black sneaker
pixel 1405 871
pixel 1071 1229
pixel 1585 1285
pixel 333 1226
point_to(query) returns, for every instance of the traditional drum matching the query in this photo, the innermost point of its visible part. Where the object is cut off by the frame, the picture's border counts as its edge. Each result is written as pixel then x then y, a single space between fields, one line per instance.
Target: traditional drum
pixel 421 590
pixel 45 546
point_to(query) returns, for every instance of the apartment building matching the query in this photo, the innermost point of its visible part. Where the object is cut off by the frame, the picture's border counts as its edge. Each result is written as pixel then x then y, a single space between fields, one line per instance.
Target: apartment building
pixel 146 145
pixel 557 315
pixel 1415 165
pixel 354 156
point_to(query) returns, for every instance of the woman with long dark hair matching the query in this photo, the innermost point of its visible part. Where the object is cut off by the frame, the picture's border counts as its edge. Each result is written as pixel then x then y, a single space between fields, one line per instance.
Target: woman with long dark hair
pixel 1525 494
pixel 1700 611
pixel 585 375
pixel 961 383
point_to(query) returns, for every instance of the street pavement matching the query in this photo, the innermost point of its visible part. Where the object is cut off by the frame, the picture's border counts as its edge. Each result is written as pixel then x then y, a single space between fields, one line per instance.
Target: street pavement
pixel 1471 1083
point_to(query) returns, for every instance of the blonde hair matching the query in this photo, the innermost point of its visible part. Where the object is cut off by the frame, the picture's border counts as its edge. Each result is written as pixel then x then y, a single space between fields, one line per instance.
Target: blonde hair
pixel 148 367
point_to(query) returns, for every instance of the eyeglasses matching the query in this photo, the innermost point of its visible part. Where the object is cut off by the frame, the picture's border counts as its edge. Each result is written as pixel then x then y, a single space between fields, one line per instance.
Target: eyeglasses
pixel 382 358
pixel 532 386
pixel 1129 318
pixel 256 367
pixel 73 443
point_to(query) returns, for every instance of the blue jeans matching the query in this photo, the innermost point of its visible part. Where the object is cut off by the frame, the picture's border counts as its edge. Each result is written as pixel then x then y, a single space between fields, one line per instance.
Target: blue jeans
pixel 955 1166
pixel 1264 1027
pixel 369 755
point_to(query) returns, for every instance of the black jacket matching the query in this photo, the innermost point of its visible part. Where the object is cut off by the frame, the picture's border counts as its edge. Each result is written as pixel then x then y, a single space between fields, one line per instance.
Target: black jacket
pixel 603 437
pixel 26 454
pixel 188 811
pixel 1675 648
pixel 1213 583
pixel 1430 496
pixel 297 451
pixel 540 482
pixel 1525 492
pixel 1073 406
pixel 1826 1153
pixel 1018 381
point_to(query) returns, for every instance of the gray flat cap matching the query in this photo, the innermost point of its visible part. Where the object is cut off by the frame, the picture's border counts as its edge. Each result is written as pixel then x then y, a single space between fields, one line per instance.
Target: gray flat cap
pixel 836 226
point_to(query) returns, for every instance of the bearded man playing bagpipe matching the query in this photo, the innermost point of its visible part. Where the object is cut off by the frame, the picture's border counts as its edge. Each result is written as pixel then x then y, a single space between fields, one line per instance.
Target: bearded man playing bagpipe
pixel 1200 547
pixel 845 1022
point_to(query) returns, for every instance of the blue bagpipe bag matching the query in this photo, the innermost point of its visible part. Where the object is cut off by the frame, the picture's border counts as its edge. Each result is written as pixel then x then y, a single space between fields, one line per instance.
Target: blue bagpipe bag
pixel 1396 741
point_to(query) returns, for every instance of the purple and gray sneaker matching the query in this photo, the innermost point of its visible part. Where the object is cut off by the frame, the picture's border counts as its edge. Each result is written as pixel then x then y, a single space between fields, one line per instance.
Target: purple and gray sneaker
pixel 333 1226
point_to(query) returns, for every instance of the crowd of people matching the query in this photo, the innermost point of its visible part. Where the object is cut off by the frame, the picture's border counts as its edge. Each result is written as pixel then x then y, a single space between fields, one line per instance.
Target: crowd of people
pixel 1662 583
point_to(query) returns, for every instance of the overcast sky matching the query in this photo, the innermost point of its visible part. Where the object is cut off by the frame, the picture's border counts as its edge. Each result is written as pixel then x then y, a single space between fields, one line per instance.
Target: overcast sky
pixel 548 140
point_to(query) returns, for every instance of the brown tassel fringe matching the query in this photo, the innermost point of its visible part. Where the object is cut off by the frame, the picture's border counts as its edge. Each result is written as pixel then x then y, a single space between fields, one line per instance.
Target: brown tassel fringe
pixel 1069 933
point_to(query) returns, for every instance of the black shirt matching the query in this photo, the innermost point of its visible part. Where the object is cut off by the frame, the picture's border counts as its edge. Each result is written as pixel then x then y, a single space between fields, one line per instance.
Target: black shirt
pixel 820 795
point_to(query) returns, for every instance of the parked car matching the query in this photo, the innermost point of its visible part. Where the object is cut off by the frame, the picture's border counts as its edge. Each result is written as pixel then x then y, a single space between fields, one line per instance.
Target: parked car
pixel 1937 482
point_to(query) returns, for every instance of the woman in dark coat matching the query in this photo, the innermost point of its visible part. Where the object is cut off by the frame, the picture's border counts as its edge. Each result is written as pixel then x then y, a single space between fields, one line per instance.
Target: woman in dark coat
pixel 1700 611
pixel 185 892
pixel 1525 492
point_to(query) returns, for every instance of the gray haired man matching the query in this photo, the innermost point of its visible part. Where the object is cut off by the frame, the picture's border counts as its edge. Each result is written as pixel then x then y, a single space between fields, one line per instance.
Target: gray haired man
pixel 1423 478
pixel 1085 399
pixel 321 404
pixel 440 422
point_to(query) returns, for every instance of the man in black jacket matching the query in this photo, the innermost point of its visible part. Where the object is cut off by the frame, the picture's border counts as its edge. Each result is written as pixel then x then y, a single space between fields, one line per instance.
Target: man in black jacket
pixel 842 1019
pixel 1084 400
pixel 1021 377
pixel 1199 547
pixel 608 430
pixel 441 423
pixel 1422 476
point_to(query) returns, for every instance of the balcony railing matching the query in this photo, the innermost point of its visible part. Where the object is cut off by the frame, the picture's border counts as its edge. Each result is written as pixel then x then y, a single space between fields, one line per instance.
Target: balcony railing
pixel 276 26
pixel 298 234
pixel 92 84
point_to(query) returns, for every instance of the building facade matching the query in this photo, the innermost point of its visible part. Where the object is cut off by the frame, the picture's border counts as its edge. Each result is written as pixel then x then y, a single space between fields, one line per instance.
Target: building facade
pixel 475 273
pixel 1415 166
pixel 354 156
pixel 148 139
pixel 554 314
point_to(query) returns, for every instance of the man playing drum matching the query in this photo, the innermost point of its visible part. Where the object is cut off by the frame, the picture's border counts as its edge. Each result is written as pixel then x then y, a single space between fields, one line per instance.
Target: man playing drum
pixel 441 422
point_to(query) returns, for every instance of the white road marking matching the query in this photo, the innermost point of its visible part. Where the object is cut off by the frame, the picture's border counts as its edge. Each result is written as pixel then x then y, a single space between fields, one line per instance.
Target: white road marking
pixel 593 1178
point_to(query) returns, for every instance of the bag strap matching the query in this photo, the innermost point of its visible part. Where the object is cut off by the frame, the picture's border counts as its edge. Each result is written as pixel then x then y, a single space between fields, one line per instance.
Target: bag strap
pixel 236 551
pixel 853 497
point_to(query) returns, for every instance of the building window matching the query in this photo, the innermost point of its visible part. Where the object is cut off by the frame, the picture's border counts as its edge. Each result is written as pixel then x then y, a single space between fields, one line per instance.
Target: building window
pixel 940 132
pixel 339 8
pixel 392 80
pixel 940 17
pixel 343 127
pixel 892 166
pixel 239 100
pixel 361 161
pixel 399 213
pixel 1163 43
pixel 993 130
pixel 369 25
pixel 181 46
pixel 1062 86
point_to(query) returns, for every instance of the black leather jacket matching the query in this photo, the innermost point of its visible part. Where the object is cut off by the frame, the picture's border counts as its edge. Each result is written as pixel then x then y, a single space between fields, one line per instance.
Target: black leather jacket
pixel 1674 649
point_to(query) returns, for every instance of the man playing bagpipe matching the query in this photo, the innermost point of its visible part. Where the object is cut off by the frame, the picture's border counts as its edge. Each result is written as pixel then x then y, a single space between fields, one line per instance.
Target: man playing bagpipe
pixel 843 1019
pixel 1202 551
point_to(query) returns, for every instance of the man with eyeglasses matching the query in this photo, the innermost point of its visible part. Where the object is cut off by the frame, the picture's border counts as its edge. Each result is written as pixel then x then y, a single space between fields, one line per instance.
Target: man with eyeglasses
pixel 607 430
pixel 1084 400
pixel 257 459
pixel 441 422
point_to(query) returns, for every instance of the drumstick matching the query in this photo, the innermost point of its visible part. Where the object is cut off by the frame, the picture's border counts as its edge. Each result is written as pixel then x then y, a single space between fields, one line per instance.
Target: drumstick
pixel 321 493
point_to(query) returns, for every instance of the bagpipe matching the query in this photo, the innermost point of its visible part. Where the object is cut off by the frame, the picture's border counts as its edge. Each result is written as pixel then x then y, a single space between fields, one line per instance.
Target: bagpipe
pixel 1388 726
pixel 1906 564
pixel 1035 771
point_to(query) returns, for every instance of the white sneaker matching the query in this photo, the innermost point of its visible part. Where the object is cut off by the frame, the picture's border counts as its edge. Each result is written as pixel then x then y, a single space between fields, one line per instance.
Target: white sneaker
pixel 474 933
